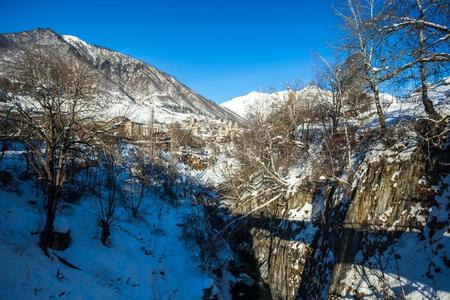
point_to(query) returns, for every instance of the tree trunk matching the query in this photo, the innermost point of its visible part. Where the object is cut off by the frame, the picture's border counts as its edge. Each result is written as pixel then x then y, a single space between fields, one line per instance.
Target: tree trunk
pixel 427 103
pixel 105 232
pixel 380 113
pixel 46 236
pixel 337 100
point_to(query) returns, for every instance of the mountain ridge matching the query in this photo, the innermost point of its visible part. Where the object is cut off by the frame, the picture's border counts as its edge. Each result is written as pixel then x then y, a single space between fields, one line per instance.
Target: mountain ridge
pixel 130 87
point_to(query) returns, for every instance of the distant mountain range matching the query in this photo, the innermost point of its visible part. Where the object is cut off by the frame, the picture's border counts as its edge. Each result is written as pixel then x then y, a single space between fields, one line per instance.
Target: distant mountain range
pixel 265 102
pixel 128 87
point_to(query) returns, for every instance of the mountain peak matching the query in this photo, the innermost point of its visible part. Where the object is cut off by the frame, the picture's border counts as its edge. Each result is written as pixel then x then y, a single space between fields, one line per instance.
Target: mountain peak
pixel 71 39
pixel 264 101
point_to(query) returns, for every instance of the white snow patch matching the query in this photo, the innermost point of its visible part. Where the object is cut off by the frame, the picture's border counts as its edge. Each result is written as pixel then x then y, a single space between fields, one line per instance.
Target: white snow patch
pixel 61 224
pixel 300 214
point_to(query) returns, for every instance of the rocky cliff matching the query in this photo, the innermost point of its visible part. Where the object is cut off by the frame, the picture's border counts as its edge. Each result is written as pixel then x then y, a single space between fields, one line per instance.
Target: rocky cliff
pixel 381 230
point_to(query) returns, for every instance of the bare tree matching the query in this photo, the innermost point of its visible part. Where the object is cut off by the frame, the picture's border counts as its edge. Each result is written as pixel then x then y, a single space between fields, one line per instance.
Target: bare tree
pixel 357 17
pixel 53 101
pixel 268 148
pixel 341 84
pixel 423 26
pixel 109 192
pixel 7 131
pixel 138 182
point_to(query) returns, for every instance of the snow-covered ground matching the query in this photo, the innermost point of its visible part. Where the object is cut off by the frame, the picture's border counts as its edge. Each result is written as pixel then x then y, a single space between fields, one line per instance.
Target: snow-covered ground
pixel 147 258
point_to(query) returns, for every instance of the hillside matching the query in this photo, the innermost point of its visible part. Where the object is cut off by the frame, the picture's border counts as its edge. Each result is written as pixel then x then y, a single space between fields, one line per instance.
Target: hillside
pixel 149 256
pixel 128 87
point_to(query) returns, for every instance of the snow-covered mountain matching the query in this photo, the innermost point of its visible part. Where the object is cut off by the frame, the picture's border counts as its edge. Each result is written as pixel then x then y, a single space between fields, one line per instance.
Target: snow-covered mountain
pixel 128 86
pixel 266 102
pixel 254 100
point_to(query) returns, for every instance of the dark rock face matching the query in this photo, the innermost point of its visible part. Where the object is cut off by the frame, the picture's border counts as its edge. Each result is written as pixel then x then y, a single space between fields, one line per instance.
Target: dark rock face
pixel 281 255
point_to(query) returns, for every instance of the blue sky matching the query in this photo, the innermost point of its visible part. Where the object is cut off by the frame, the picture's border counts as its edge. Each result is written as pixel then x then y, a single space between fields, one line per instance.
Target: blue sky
pixel 221 49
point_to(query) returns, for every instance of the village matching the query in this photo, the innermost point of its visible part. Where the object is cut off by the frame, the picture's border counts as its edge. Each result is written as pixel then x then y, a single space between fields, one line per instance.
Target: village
pixel 207 130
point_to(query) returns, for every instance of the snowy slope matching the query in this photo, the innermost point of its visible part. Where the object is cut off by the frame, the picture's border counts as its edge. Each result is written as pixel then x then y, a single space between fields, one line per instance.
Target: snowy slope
pixel 129 87
pixel 147 258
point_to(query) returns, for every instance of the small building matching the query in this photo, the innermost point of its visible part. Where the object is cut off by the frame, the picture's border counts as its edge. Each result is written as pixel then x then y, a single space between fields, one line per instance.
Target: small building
pixel 149 128
pixel 126 127
pixel 117 125
pixel 134 129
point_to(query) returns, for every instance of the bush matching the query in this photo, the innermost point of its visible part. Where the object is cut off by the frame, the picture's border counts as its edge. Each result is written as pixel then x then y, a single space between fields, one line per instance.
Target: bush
pixel 6 179
pixel 197 230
